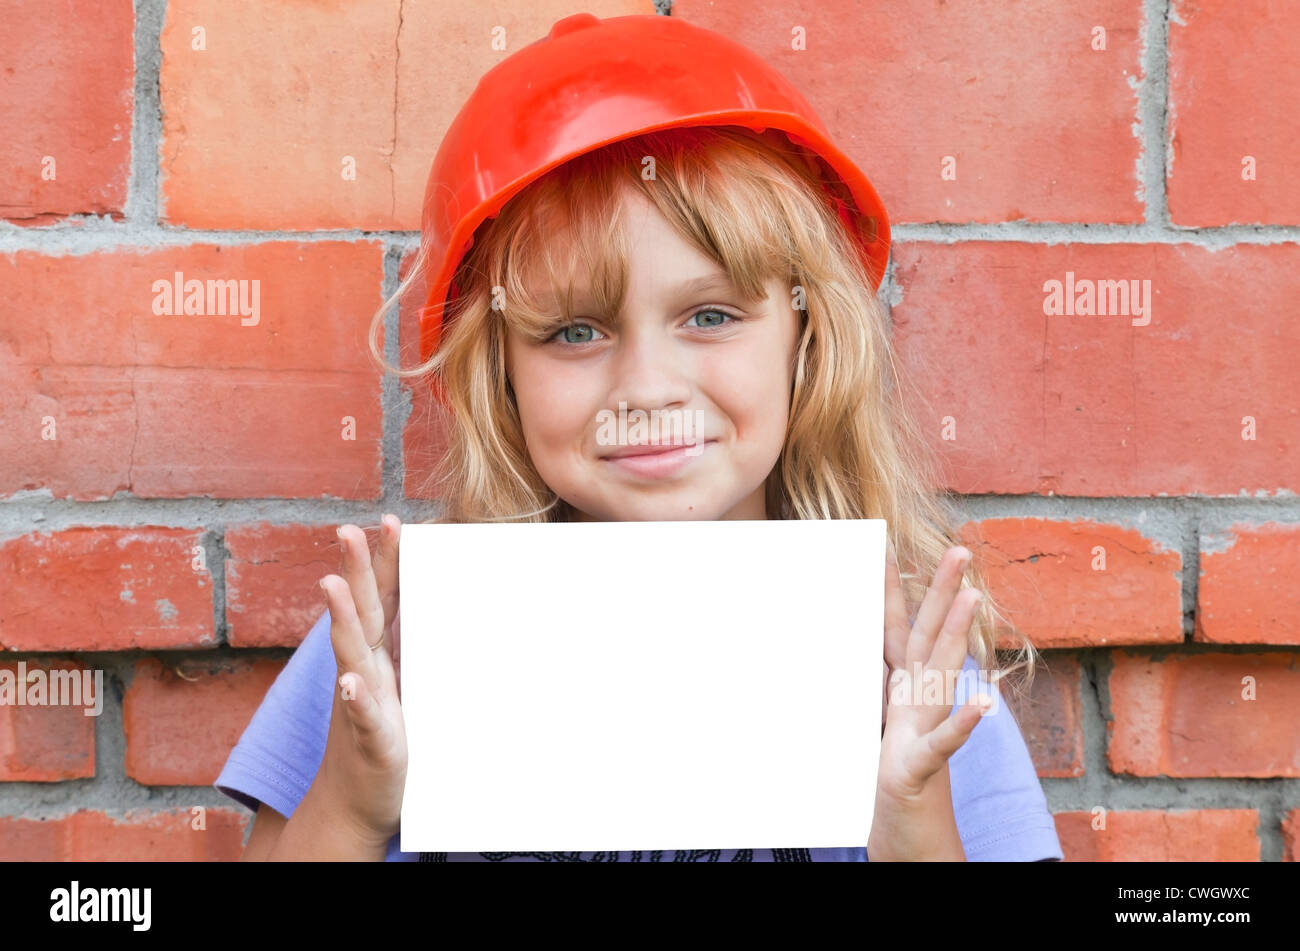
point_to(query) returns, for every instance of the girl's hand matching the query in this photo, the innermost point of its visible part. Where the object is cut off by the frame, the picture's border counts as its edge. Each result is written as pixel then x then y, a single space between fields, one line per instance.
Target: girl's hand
pixel 913 816
pixel 364 766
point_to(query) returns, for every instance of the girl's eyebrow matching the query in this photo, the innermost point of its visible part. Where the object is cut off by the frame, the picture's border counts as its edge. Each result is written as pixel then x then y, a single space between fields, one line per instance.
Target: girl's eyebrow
pixel 707 282
pixel 696 285
pixel 717 281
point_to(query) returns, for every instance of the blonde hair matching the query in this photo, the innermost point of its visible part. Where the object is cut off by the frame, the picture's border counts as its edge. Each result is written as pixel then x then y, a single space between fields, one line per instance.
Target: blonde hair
pixel 757 205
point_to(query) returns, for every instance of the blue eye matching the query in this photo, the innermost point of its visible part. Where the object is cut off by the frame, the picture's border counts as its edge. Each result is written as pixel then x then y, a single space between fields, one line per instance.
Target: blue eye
pixel 720 313
pixel 564 332
pixel 577 334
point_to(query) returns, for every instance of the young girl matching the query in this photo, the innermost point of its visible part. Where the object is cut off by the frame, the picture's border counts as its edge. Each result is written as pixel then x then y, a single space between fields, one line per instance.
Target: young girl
pixel 636 214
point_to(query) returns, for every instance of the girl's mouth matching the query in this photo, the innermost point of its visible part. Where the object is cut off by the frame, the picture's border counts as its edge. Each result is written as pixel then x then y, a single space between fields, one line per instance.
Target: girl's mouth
pixel 657 461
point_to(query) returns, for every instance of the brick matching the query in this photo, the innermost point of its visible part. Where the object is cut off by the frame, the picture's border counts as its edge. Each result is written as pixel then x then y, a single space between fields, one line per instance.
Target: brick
pixel 31 840
pixel 1291 836
pixel 273 595
pixel 376 80
pixel 54 741
pixel 68 99
pixel 1247 592
pixel 1079 583
pixel 181 722
pixel 1093 405
pixel 1211 133
pixel 1186 715
pixel 159 837
pixel 427 434
pixel 139 836
pixel 105 588
pixel 185 405
pixel 1175 835
pixel 1049 717
pixel 1004 73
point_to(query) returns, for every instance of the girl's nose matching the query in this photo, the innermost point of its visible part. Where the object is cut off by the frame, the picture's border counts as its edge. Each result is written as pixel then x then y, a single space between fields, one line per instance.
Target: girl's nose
pixel 649 372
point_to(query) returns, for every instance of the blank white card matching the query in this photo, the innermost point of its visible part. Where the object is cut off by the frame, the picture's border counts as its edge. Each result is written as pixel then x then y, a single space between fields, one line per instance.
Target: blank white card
pixel 614 686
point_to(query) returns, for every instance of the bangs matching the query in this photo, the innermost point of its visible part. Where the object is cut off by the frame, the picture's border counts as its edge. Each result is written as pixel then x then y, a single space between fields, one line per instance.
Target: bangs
pixel 567 258
pixel 559 249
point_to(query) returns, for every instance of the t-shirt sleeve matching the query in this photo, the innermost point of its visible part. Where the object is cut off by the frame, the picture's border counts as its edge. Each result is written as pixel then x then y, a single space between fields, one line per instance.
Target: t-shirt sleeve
pixel 280 751
pixel 997 800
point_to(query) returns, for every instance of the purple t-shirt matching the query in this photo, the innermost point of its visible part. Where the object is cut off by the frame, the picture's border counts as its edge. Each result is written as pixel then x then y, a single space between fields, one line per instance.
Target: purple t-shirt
pixel 997 800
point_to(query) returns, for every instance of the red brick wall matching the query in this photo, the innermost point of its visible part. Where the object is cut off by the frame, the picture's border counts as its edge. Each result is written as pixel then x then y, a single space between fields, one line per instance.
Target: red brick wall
pixel 169 484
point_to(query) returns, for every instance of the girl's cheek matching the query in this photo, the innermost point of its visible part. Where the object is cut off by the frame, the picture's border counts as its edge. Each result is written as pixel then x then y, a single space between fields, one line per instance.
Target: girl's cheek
pixel 559 426
pixel 753 391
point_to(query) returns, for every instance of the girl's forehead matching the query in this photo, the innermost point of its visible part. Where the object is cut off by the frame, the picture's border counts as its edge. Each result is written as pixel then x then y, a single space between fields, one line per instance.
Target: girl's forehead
pixel 563 275
pixel 566 257
pixel 584 248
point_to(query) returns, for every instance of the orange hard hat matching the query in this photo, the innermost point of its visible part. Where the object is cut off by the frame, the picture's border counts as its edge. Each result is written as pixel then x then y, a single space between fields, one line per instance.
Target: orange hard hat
pixel 591 82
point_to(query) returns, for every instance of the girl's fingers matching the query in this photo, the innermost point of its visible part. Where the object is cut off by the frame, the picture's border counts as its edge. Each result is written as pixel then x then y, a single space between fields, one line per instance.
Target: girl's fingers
pixel 349 642
pixel 396 635
pixel 951 648
pixel 927 688
pixel 884 698
pixel 936 603
pixel 896 625
pixel 944 740
pixel 948 736
pixel 357 572
pixel 385 566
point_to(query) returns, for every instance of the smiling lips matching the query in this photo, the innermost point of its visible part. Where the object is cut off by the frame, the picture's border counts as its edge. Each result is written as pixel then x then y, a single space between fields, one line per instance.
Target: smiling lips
pixel 656 460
